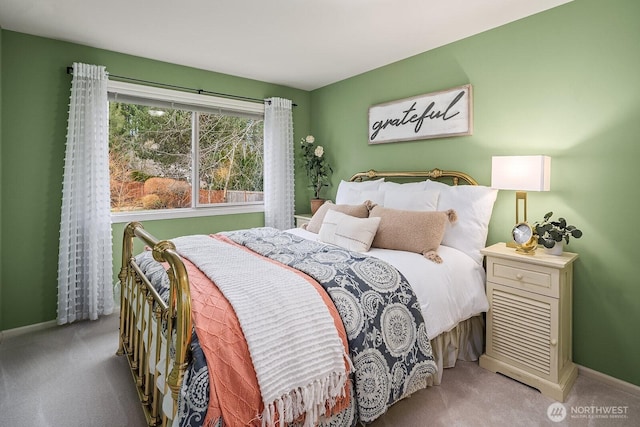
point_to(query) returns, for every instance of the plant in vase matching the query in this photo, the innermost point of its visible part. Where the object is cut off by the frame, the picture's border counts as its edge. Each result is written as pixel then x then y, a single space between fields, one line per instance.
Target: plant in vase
pixel 317 168
pixel 551 232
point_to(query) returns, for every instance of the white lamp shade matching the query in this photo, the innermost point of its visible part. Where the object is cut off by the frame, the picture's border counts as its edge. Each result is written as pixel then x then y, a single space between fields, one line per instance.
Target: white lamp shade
pixel 521 173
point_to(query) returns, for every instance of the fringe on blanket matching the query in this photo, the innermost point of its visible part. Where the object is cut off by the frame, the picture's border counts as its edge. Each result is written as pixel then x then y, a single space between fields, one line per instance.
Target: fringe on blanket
pixel 310 402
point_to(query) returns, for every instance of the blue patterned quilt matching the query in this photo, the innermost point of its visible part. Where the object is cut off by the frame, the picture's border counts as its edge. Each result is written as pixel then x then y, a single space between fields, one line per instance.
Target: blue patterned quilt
pixel 388 343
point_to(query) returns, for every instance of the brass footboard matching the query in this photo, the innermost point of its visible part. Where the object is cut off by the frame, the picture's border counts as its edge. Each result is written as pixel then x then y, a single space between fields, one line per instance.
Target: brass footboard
pixel 142 313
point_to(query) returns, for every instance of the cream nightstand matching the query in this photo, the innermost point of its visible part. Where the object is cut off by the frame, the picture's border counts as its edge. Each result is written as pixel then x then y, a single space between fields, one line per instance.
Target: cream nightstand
pixel 302 219
pixel 529 320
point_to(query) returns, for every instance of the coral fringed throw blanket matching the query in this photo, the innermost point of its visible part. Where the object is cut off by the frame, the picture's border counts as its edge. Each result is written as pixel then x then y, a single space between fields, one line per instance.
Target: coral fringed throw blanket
pixel 300 366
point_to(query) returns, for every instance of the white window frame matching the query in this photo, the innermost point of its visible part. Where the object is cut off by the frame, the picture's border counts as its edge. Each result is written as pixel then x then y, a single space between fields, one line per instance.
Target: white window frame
pixel 186 100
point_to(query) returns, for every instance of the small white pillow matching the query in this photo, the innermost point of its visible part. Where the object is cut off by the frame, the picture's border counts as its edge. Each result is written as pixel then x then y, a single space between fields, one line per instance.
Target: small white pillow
pixel 411 200
pixel 343 194
pixel 354 234
pixel 474 206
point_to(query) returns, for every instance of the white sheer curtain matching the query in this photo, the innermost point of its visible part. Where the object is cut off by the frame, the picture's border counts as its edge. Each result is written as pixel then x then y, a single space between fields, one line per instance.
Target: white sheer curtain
pixel 278 164
pixel 85 257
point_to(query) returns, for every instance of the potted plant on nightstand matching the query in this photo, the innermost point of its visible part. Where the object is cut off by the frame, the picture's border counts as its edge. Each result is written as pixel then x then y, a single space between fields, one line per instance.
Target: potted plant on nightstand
pixel 554 234
pixel 317 168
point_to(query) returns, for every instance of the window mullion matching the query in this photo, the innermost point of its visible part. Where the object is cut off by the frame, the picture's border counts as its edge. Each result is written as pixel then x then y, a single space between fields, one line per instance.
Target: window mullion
pixel 195 159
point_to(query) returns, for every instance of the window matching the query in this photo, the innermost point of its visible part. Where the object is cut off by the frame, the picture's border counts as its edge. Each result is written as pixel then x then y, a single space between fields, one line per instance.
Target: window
pixel 180 154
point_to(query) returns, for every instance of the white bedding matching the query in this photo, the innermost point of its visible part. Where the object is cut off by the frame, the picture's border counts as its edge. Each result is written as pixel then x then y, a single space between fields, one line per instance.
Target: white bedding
pixel 449 292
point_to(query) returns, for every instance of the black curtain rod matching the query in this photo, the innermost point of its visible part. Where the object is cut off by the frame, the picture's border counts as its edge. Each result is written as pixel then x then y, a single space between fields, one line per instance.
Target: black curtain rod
pixel 183 88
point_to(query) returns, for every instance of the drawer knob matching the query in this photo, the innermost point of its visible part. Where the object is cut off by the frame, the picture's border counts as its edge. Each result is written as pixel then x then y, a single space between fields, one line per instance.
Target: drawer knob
pixel 519 276
pixel 554 342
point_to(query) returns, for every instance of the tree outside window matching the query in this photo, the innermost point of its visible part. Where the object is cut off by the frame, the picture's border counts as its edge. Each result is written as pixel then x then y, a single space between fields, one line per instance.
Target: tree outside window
pixel 154 155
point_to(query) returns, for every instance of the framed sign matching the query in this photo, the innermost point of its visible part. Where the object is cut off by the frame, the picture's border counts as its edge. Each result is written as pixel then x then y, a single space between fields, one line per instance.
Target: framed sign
pixel 433 115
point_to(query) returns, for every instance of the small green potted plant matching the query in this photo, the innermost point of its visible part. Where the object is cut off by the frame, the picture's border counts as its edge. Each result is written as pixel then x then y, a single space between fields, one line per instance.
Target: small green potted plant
pixel 551 232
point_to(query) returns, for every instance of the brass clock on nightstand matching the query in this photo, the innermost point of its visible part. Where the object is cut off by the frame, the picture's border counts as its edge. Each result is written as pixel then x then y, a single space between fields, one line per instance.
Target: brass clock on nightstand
pixel 524 238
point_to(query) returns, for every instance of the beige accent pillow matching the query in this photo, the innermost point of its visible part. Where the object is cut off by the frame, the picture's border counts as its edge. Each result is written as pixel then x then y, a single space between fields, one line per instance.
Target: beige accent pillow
pixel 349 232
pixel 358 211
pixel 411 231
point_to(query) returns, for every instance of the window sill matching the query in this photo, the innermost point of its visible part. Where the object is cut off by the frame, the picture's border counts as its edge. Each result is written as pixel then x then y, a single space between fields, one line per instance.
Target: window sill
pixel 153 215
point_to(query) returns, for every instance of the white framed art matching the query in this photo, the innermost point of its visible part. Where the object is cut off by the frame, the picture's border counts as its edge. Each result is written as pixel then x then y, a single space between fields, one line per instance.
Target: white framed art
pixel 433 115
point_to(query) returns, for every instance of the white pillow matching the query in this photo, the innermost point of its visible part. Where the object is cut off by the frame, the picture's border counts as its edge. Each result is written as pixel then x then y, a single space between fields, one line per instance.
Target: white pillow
pixel 419 200
pixel 407 186
pixel 474 206
pixel 345 187
pixel 354 234
pixel 355 197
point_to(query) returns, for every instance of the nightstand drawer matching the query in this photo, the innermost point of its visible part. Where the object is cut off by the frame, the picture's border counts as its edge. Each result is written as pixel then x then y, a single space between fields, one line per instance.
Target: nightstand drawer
pixel 533 278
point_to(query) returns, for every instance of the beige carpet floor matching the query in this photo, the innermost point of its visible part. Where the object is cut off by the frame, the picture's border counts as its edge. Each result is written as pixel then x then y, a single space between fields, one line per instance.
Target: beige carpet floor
pixel 70 377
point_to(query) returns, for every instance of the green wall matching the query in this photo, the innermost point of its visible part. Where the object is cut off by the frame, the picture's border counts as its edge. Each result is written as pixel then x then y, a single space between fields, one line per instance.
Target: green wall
pixel 34 100
pixel 563 83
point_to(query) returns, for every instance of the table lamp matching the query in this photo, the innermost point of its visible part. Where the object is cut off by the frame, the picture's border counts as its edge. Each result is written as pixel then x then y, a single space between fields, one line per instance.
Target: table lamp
pixel 522 174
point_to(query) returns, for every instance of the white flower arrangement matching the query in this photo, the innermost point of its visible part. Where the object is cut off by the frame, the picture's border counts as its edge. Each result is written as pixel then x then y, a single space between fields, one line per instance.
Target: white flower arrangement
pixel 316 164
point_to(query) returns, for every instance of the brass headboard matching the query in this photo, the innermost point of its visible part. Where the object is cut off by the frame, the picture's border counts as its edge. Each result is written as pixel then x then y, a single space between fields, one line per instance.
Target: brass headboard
pixel 436 174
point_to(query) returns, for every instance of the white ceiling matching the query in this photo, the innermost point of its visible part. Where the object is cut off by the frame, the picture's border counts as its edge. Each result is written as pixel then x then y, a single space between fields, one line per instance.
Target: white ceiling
pixel 299 43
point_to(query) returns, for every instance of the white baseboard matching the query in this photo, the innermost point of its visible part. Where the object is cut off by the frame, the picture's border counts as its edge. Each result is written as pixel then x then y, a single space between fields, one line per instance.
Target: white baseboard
pixel 26 329
pixel 609 380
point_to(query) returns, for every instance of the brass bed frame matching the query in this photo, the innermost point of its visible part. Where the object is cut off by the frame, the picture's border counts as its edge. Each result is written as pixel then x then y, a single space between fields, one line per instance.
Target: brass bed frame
pixel 142 307
pixel 139 301
pixel 436 174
